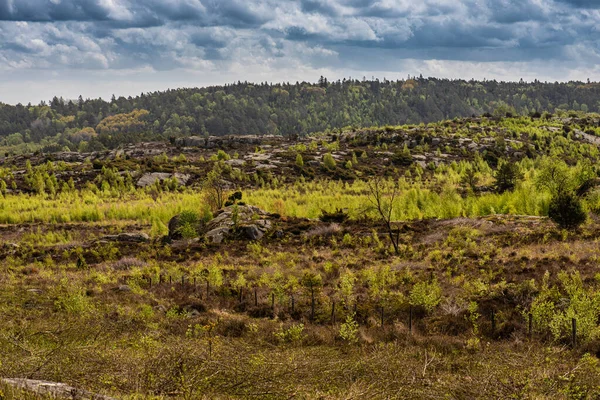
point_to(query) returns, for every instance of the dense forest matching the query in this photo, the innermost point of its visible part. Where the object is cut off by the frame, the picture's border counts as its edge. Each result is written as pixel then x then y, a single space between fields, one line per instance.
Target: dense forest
pixel 281 109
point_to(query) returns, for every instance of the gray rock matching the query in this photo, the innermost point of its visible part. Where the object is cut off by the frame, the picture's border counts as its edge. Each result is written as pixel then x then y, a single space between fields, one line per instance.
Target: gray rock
pixel 53 389
pixel 235 162
pixel 265 166
pixel 35 291
pixel 252 232
pixel 264 224
pixel 150 178
pixel 69 156
pixel 217 235
pixel 174 224
pixel 124 288
pixel 131 237
pixel 160 308
pixel 252 223
pixel 257 157
pixel 192 141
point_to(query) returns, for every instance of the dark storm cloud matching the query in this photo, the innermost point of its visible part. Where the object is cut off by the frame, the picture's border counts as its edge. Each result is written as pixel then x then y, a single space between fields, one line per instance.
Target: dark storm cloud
pixel 135 13
pixel 582 3
pixel 46 10
pixel 171 34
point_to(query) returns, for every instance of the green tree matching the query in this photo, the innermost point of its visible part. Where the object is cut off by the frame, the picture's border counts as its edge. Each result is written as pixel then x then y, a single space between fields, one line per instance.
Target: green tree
pixel 566 209
pixel 329 161
pixel 299 160
pixel 506 177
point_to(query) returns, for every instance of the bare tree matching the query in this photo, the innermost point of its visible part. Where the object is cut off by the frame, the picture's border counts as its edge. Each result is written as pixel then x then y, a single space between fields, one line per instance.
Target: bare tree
pixel 215 188
pixel 383 198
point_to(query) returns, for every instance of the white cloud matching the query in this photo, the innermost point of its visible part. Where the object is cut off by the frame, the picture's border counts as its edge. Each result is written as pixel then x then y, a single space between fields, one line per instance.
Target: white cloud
pixel 195 42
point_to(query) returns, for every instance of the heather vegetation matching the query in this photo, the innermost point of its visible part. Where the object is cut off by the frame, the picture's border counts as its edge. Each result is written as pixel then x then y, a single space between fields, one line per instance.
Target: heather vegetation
pixel 456 259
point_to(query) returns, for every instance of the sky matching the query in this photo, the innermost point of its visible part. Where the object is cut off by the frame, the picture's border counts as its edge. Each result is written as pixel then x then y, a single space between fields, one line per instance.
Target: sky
pixel 97 48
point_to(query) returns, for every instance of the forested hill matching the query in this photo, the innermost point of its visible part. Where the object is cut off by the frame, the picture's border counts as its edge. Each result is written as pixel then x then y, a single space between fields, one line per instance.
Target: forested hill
pixel 287 109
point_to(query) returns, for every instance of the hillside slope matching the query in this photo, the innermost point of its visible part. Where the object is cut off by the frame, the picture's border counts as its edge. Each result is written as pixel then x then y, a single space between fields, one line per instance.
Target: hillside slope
pixel 286 109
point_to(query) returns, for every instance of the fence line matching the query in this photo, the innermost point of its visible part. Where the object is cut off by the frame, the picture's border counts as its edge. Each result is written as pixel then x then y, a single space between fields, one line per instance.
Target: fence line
pixel 379 310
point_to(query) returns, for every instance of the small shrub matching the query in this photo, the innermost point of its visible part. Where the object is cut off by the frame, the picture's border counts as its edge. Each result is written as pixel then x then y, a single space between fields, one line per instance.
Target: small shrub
pixel 338 215
pixel 347 240
pixel 349 330
pixel 299 160
pixel 188 224
pixel 329 161
pixel 221 155
pixel 73 302
pixel 566 209
pixel 293 334
pixel 426 294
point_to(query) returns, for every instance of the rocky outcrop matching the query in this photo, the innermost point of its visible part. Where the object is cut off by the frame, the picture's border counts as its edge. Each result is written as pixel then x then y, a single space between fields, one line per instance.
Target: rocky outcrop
pixel 231 141
pixel 242 222
pixel 239 221
pixel 151 177
pixel 127 237
pixel 53 389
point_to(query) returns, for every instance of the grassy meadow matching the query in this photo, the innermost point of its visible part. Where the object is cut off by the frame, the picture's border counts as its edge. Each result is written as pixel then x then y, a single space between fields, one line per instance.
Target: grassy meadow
pixel 484 297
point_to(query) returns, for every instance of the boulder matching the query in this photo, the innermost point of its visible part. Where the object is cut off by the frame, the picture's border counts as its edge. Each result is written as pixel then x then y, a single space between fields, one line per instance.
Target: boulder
pixel 232 222
pixel 53 389
pixel 217 235
pixel 235 162
pixel 149 178
pixel 127 237
pixel 174 224
pixel 252 232
pixel 192 141
pixel 265 166
pixel 69 156
pixel 252 223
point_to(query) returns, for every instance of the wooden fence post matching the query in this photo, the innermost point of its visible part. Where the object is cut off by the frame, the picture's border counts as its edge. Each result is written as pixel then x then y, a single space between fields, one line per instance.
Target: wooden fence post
pixel 273 302
pixel 292 296
pixel 574 333
pixel 312 302
pixel 530 325
pixel 410 318
pixel 382 316
pixel 333 312
pixel 493 316
pixel 255 298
